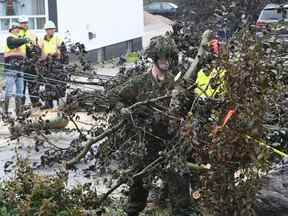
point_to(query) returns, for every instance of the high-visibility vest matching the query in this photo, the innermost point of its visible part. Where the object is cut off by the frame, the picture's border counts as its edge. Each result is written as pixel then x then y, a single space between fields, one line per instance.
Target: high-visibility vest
pixel 28 34
pixel 20 51
pixel 51 46
pixel 203 83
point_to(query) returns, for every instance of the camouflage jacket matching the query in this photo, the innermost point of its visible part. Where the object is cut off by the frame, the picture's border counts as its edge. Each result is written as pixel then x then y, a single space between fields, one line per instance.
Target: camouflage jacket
pixel 144 87
pixel 141 88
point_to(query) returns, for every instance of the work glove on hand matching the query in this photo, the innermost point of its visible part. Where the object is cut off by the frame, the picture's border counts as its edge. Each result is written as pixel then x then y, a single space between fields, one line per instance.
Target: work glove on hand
pixel 28 40
pixel 125 111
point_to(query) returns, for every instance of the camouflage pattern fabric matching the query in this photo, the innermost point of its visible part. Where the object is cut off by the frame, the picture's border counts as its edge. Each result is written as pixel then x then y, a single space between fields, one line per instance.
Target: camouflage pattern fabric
pixel 141 88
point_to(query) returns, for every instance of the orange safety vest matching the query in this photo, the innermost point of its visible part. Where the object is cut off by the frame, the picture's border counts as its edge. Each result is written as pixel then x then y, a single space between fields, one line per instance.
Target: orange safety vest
pixel 20 51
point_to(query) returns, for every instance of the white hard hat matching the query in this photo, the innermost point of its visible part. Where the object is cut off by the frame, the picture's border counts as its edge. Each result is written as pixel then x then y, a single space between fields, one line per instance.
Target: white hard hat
pixel 49 25
pixel 23 19
pixel 14 25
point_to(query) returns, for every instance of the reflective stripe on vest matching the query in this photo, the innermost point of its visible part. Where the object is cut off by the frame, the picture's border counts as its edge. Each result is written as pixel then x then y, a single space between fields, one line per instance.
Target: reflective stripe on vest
pixel 51 47
pixel 20 51
pixel 203 83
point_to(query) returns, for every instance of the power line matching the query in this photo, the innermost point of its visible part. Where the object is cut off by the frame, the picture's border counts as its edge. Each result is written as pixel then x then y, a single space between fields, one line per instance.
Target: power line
pixel 36 79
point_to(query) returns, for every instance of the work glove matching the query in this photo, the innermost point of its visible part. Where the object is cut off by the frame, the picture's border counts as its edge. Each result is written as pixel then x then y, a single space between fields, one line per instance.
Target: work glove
pixel 125 111
pixel 28 40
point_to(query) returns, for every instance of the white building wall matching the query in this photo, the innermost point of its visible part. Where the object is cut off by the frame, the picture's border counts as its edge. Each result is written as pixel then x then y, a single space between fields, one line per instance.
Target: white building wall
pixel 112 21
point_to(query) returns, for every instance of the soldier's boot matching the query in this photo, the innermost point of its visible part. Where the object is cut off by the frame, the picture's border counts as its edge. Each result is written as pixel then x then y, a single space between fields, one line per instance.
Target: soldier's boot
pixel 6 109
pixel 18 103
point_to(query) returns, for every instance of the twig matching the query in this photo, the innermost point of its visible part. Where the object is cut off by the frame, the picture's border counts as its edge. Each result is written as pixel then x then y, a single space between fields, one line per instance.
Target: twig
pixel 83 153
pixel 106 195
pixel 276 151
pixel 149 101
pixel 196 167
pixel 165 114
pixel 123 181
pixel 77 128
pixel 151 166
pixel 49 142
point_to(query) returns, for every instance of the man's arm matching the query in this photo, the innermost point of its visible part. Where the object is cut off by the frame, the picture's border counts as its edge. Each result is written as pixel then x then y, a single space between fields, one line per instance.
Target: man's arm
pixel 14 43
pixel 126 94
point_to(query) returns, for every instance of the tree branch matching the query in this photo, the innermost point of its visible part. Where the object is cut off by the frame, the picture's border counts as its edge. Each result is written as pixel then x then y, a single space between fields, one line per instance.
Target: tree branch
pixel 91 142
pixel 150 101
pixel 201 52
pixel 149 167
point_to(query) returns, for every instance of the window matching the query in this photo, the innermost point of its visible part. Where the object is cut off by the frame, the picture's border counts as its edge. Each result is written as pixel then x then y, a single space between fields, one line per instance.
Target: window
pixel 154 6
pixel 166 6
pixel 271 14
pixel 11 10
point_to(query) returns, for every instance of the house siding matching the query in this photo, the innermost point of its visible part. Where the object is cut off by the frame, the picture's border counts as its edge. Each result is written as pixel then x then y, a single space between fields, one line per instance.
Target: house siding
pixel 109 42
pixel 110 52
pixel 114 51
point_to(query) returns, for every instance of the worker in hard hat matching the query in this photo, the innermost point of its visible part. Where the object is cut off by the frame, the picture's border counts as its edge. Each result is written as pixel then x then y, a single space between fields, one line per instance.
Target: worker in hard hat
pixel 29 79
pixel 25 31
pixel 210 81
pixel 52 47
pixel 51 43
pixel 14 54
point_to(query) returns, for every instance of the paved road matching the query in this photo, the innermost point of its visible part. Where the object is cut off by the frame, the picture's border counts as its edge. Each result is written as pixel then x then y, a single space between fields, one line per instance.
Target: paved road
pixel 153 30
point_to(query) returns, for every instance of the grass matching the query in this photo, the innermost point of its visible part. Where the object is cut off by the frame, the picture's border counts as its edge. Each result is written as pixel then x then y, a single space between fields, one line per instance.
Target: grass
pixel 132 57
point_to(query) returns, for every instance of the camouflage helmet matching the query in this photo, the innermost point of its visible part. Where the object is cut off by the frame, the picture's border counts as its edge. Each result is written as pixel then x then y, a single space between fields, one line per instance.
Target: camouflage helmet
pixel 162 47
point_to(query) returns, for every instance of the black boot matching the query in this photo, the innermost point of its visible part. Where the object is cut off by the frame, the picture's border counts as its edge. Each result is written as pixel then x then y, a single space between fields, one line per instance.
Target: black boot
pixel 6 109
pixel 18 103
pixel 23 100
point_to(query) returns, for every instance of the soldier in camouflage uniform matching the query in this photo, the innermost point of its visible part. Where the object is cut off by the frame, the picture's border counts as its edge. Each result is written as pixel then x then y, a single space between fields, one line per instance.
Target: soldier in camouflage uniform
pixel 158 81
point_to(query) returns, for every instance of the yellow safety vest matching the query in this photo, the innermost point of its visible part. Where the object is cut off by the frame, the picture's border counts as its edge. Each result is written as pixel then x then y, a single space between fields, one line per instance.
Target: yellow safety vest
pixel 51 47
pixel 28 34
pixel 20 51
pixel 203 83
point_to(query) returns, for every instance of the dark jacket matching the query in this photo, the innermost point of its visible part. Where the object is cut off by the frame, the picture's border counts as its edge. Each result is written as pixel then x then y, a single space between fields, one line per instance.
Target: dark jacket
pixel 14 43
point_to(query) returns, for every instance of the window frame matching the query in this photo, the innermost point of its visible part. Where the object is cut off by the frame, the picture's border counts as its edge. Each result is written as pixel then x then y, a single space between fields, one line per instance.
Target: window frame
pixel 35 17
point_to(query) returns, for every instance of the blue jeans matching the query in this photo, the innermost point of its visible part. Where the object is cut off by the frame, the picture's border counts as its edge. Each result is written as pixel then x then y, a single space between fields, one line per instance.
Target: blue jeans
pixel 14 78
